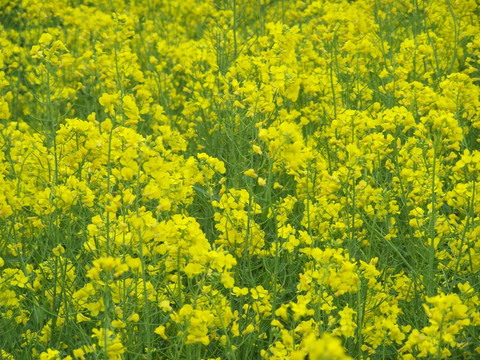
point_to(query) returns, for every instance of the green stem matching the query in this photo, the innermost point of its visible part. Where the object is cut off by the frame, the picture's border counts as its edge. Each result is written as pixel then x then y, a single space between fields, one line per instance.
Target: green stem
pixel 433 219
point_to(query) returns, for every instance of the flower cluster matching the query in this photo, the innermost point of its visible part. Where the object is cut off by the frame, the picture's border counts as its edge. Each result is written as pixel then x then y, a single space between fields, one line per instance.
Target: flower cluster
pixel 239 179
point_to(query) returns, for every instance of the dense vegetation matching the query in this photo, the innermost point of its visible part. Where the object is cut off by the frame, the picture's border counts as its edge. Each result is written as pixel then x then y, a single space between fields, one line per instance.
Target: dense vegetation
pixel 239 179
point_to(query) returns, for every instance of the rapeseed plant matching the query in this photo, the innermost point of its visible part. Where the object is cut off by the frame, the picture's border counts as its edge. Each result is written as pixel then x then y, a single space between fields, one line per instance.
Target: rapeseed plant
pixel 239 179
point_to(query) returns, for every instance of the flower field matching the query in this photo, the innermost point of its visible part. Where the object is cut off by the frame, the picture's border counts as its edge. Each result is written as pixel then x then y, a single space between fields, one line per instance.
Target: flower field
pixel 239 179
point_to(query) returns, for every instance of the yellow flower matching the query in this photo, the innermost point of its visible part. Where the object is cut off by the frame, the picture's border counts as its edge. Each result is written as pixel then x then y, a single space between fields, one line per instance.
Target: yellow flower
pixel 59 250
pixel 81 318
pixel 160 330
pixel 327 347
pixel 130 109
pixel 227 280
pixel 133 318
pixel 165 305
pixel 79 353
pixel 118 324
pixel 248 329
pixel 193 269
pixel 50 355
pixel 347 324
pixel 45 39
pixel 257 149
pixel 109 101
pixel 115 349
pixel 239 291
pixel 251 173
pixel 4 110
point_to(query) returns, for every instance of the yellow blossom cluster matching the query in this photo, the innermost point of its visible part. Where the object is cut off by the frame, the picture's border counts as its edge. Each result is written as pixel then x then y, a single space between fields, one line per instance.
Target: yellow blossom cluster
pixel 239 179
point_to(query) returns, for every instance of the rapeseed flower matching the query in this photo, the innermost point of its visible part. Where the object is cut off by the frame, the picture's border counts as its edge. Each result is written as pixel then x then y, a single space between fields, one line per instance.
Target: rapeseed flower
pixel 243 181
